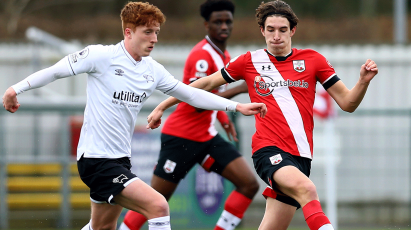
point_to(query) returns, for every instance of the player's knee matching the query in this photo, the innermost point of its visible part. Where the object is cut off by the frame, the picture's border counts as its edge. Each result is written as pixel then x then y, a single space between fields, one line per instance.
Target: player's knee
pixel 160 208
pixel 253 187
pixel 249 189
pixel 308 190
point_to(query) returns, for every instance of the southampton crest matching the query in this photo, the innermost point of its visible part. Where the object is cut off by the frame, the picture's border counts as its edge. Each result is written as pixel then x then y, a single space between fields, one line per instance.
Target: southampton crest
pixel 299 65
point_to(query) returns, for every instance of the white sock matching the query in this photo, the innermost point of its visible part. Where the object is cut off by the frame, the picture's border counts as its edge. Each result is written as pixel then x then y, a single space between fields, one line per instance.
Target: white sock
pixel 123 226
pixel 87 226
pixel 159 223
pixel 326 227
pixel 228 221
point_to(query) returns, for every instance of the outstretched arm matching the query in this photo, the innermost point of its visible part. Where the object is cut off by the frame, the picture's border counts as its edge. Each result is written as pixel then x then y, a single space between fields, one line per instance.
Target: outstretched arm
pixel 230 93
pixel 205 100
pixel 35 80
pixel 349 100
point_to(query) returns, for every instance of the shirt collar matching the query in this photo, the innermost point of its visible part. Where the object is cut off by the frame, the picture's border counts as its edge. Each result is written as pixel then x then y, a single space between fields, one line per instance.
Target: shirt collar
pixel 128 54
pixel 214 46
pixel 280 58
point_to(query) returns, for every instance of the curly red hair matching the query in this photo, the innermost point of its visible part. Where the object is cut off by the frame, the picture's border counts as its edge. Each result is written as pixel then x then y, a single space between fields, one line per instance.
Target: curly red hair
pixel 140 14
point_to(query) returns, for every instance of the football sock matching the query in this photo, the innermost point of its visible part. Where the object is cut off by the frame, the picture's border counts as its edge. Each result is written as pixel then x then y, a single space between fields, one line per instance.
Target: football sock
pixel 132 221
pixel 159 223
pixel 87 226
pixel 234 209
pixel 315 217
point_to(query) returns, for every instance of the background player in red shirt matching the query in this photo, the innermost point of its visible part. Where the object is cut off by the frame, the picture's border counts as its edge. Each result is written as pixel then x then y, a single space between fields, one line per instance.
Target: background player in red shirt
pixel 189 136
pixel 284 78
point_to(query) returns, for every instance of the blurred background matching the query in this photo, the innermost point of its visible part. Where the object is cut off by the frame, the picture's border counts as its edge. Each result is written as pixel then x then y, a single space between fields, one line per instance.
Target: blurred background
pixel 362 163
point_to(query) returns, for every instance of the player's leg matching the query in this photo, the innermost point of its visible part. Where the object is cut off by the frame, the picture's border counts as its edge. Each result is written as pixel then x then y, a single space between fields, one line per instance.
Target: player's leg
pixel 231 165
pixel 141 198
pixel 103 216
pixel 134 220
pixel 288 176
pixel 176 158
pixel 277 215
pixel 111 181
pixel 240 174
pixel 291 181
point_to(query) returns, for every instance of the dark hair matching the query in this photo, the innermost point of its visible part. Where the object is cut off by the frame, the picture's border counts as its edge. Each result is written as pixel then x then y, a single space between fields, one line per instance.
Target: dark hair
pixel 210 6
pixel 276 7
pixel 139 14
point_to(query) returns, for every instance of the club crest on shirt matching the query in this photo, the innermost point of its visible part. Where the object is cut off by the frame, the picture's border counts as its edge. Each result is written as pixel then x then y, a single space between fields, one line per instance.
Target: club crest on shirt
pixel 299 65
pixel 276 159
pixel 169 166
pixel 148 78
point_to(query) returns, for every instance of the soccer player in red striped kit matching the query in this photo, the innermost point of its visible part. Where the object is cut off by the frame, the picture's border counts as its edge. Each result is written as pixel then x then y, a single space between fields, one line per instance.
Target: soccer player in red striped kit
pixel 189 136
pixel 284 78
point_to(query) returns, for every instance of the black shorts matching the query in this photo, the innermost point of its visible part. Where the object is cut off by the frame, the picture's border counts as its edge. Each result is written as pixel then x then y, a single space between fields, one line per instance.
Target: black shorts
pixel 269 159
pixel 179 155
pixel 105 177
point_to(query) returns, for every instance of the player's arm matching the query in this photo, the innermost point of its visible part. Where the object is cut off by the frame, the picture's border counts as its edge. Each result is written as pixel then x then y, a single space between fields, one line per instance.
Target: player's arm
pixel 349 100
pixel 222 117
pixel 232 92
pixel 206 83
pixel 35 80
pixel 201 99
pixel 242 88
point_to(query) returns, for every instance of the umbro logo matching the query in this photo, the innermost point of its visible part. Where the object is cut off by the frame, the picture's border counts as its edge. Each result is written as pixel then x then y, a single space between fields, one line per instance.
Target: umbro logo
pixel 119 72
pixel 266 67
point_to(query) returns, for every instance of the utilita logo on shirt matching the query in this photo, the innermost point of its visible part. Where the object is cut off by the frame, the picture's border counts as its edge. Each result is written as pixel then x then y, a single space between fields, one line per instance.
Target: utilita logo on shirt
pixel 265 85
pixel 124 97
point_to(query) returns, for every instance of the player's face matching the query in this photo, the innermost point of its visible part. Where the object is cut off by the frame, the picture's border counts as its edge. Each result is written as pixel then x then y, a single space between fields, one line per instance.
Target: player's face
pixel 143 39
pixel 278 35
pixel 220 25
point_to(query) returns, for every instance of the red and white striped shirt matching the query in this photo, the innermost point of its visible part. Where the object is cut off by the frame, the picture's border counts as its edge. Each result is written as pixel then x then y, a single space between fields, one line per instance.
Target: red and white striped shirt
pixel 287 86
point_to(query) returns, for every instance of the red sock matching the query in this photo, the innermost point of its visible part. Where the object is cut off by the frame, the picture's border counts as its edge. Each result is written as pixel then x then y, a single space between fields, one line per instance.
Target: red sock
pixel 314 215
pixel 234 209
pixel 134 220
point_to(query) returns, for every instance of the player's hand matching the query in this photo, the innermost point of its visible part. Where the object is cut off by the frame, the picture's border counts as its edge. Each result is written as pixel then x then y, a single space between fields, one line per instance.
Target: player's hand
pixel 230 130
pixel 154 119
pixel 368 71
pixel 10 102
pixel 252 109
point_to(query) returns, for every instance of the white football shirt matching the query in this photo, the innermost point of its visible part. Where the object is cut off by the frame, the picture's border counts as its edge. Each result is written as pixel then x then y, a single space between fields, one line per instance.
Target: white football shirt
pixel 117 87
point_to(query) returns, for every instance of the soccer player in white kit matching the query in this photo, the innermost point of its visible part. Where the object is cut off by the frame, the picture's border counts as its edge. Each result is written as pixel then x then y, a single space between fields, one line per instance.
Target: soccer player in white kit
pixel 120 79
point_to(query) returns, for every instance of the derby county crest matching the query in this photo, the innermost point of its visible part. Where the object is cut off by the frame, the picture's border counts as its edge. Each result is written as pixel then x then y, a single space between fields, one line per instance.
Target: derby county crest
pixel 299 65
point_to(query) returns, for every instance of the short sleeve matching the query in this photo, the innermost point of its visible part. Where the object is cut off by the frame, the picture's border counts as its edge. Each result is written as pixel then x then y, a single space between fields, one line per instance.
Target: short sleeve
pixel 325 72
pixel 89 59
pixel 234 70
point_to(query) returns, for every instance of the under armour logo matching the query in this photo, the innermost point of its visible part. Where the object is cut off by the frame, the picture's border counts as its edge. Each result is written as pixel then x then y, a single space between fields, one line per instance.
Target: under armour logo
pixel 268 67
pixel 119 72
pixel 120 179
